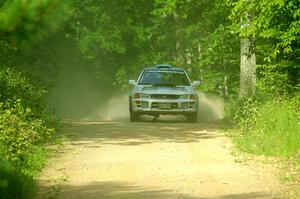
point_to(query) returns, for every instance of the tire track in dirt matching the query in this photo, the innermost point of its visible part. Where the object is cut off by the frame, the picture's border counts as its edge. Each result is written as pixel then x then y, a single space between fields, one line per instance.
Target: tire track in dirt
pixel 164 160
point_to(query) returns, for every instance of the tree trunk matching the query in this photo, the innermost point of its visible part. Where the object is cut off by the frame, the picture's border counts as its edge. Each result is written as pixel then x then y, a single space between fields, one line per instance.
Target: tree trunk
pixel 179 57
pixel 248 68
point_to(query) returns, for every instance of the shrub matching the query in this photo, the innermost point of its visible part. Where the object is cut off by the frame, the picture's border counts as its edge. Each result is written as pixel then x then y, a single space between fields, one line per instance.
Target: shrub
pixel 25 123
pixel 25 127
pixel 270 128
pixel 15 184
pixel 16 85
pixel 20 135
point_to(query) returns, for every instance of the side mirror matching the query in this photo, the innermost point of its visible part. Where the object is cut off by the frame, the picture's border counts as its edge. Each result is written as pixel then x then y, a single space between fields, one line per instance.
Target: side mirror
pixel 132 82
pixel 196 83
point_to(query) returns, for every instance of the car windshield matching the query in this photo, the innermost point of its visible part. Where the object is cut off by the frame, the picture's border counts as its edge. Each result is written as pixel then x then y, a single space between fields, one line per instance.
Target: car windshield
pixel 164 78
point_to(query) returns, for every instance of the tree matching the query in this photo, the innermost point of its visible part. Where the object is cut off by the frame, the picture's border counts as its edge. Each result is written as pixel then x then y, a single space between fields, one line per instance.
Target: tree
pixel 275 27
pixel 27 22
pixel 248 60
pixel 121 38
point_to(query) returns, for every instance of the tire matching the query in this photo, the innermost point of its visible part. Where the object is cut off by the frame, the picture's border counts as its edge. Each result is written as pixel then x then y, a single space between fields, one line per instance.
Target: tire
pixel 134 117
pixel 192 117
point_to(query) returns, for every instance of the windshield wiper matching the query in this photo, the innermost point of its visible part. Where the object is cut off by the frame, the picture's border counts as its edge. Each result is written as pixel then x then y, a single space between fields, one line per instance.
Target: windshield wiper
pixel 164 84
pixel 145 83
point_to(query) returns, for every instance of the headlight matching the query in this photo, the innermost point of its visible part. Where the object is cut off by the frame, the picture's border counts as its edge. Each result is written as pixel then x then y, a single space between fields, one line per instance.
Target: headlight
pixel 184 96
pixel 137 95
pixel 193 97
pixel 145 95
pixel 145 104
pixel 185 105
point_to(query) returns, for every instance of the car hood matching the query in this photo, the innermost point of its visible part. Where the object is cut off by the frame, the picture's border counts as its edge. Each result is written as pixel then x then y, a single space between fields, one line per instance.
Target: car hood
pixel 165 89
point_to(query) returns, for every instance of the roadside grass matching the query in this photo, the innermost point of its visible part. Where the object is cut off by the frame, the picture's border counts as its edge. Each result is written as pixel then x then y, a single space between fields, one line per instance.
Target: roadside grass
pixel 14 183
pixel 26 127
pixel 290 175
pixel 19 182
pixel 271 129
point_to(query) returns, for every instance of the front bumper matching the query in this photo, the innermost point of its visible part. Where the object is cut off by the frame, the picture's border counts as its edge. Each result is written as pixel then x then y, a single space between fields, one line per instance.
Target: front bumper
pixel 165 106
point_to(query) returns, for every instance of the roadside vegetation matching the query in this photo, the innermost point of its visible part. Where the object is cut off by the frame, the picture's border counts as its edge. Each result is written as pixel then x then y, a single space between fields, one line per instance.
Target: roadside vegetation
pixel 267 122
pixel 246 51
pixel 268 127
pixel 26 122
pixel 26 125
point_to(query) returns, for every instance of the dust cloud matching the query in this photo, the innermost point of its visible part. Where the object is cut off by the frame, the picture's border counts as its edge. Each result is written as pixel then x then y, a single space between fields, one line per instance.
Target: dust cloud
pixel 78 93
pixel 81 95
pixel 86 102
pixel 114 109
pixel 211 107
pixel 82 88
pixel 82 100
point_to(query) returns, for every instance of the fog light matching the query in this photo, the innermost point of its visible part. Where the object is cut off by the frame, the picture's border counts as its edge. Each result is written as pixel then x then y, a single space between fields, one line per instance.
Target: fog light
pixel 137 95
pixel 192 97
pixel 145 95
pixel 184 96
pixel 184 105
pixel 145 104
pixel 138 103
pixel 192 104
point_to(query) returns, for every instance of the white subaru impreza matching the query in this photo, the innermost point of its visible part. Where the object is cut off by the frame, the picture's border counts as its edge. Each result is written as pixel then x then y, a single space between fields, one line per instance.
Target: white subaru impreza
pixel 163 90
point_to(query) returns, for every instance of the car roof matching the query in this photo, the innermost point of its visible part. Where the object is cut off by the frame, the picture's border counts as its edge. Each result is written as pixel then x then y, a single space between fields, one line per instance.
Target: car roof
pixel 164 67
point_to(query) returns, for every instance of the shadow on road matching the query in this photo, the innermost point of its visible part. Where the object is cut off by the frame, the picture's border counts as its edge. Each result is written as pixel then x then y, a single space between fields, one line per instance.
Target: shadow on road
pixel 127 191
pixel 88 180
pixel 125 133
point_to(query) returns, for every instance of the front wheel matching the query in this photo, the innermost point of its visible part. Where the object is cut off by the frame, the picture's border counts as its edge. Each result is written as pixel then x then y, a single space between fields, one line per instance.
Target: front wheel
pixel 192 117
pixel 134 117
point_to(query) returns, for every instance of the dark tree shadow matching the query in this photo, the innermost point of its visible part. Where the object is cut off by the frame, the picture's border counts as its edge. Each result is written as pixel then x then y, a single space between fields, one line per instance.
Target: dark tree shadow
pixel 96 134
pixel 125 133
pixel 107 190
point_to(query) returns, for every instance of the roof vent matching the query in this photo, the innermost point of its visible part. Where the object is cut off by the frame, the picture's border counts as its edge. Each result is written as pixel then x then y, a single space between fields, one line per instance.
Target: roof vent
pixel 161 66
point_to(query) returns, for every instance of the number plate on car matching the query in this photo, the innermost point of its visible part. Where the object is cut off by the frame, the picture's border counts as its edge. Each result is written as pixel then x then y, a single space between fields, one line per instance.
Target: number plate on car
pixel 164 105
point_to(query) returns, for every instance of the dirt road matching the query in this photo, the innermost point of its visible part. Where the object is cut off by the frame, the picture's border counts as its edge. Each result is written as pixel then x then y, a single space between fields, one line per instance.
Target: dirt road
pixel 162 160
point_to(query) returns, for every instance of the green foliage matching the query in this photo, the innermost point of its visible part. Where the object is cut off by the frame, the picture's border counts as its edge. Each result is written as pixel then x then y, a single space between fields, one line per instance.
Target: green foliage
pixel 15 184
pixel 7 53
pixel 121 38
pixel 112 34
pixel 272 82
pixel 25 122
pixel 36 161
pixel 28 91
pixel 274 24
pixel 245 113
pixel 25 127
pixel 20 136
pixel 15 85
pixel 26 22
pixel 268 127
pixel 219 60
